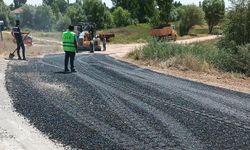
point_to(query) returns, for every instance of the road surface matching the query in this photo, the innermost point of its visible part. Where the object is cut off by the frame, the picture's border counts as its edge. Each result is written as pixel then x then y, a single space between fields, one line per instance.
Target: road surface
pixel 109 104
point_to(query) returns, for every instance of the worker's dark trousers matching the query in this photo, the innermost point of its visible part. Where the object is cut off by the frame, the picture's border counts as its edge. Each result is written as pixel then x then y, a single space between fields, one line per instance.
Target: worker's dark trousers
pixel 20 45
pixel 71 56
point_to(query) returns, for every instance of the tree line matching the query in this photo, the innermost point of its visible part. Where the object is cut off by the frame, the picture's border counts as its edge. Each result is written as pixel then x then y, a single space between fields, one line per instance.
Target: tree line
pixel 56 14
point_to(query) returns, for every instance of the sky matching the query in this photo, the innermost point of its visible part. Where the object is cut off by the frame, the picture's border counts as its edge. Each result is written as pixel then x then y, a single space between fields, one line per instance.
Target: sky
pixel 109 3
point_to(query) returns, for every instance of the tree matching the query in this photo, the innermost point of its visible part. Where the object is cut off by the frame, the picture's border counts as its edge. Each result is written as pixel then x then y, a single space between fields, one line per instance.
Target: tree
pixel 108 19
pixel 48 2
pixel 76 14
pixel 133 6
pixel 248 24
pixel 177 4
pixel 63 23
pixel 214 12
pixel 43 19
pixel 94 11
pixel 121 17
pixel 147 10
pixel 234 45
pixel 139 9
pixel 60 4
pixel 165 7
pixel 28 16
pixel 237 28
pixel 4 13
pixel 190 15
pixel 19 3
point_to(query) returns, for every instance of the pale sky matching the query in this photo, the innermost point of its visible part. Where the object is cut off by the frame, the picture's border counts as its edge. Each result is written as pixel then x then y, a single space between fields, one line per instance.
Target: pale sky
pixel 109 3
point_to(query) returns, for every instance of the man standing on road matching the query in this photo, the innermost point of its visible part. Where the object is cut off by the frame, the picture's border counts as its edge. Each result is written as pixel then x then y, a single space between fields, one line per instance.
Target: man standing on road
pixel 17 34
pixel 104 42
pixel 69 39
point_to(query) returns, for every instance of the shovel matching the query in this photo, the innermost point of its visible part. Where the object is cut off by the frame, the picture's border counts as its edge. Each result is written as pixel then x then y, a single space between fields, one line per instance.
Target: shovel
pixel 12 55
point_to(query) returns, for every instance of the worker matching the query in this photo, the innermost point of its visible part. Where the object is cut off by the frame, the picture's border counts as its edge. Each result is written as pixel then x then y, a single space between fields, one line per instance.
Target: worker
pixel 104 42
pixel 69 39
pixel 17 34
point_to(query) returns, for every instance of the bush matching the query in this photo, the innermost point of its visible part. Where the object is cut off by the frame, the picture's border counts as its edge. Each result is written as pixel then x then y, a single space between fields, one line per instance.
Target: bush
pixel 236 59
pixel 194 57
pixel 197 57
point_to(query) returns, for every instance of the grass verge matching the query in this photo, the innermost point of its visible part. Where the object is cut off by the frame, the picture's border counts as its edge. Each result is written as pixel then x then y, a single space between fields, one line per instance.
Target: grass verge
pixel 201 57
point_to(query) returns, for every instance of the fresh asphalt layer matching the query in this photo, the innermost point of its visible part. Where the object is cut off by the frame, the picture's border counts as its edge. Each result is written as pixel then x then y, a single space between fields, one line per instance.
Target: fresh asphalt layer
pixel 110 104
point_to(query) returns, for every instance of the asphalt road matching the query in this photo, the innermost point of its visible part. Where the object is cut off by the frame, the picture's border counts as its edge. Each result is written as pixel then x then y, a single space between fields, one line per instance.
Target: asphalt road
pixel 109 104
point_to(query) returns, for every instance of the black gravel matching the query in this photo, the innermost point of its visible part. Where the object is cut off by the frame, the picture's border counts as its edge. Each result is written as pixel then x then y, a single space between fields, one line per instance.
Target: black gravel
pixel 109 104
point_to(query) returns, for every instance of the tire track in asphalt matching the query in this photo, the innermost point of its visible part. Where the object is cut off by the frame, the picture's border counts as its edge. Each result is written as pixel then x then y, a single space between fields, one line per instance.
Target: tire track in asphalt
pixel 179 132
pixel 188 93
pixel 183 136
pixel 223 120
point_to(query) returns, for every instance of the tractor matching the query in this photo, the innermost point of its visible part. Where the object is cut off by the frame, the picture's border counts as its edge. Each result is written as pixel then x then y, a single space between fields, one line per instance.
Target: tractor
pixel 87 40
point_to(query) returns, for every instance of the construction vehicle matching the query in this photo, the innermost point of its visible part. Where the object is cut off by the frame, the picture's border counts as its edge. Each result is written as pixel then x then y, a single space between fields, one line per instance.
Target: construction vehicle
pixel 164 32
pixel 88 39
pixel 86 33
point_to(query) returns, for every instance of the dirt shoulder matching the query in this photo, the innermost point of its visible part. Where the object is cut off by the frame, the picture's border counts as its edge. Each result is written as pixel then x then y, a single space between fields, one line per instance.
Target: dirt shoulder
pixel 223 80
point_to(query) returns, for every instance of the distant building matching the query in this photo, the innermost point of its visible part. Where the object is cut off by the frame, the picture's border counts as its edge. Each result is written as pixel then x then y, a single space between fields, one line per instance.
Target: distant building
pixel 18 13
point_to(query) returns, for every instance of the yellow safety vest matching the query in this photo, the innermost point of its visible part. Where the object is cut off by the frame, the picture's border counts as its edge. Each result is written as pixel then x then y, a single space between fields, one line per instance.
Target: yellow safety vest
pixel 69 39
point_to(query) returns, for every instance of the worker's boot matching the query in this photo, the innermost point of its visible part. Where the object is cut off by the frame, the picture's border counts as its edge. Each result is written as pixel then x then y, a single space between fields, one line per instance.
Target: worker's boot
pixel 66 70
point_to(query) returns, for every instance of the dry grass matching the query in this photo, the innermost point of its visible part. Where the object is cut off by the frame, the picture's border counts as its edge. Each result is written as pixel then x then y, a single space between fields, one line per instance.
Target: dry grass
pixel 38 47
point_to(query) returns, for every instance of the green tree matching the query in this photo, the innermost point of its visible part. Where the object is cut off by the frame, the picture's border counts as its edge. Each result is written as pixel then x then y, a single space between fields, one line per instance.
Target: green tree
pixel 165 7
pixel 147 10
pixel 19 3
pixel 28 16
pixel 190 15
pixel 43 19
pixel 139 9
pixel 76 14
pixel 4 13
pixel 214 12
pixel 236 30
pixel 94 11
pixel 177 4
pixel 121 17
pixel 63 23
pixel 60 4
pixel 248 24
pixel 48 2
pixel 108 19
pixel 133 6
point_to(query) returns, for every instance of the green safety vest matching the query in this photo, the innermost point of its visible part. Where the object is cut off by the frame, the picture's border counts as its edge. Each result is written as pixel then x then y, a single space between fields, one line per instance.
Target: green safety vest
pixel 69 39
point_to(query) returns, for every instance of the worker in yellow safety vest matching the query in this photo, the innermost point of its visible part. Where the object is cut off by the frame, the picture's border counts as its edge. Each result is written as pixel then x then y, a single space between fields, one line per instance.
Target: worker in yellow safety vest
pixel 69 39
